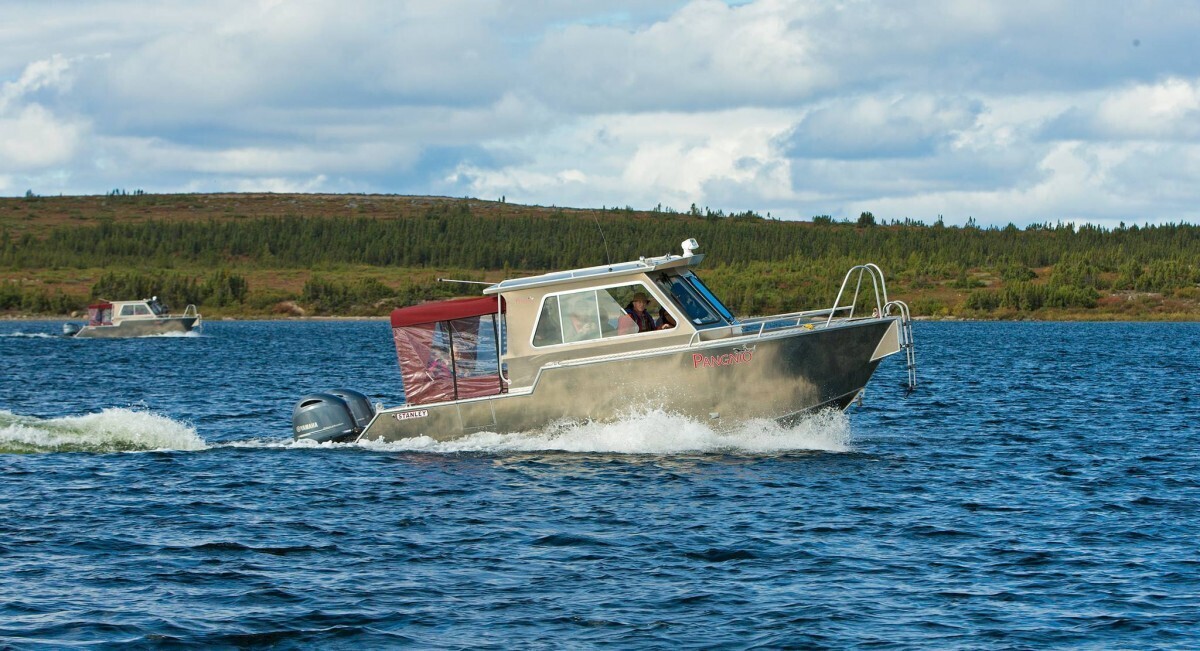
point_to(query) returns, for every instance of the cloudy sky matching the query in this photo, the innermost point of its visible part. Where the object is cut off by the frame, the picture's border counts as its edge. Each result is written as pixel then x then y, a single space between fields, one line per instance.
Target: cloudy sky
pixel 1005 111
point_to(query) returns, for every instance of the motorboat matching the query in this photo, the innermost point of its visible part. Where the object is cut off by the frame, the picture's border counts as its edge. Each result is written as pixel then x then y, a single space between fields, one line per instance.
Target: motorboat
pixel 142 318
pixel 567 347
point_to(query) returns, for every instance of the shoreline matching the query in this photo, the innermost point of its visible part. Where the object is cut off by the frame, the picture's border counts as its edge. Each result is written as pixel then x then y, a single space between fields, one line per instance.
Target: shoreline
pixel 1098 318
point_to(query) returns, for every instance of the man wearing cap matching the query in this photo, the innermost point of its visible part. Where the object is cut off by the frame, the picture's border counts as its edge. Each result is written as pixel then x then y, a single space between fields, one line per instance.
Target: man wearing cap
pixel 637 311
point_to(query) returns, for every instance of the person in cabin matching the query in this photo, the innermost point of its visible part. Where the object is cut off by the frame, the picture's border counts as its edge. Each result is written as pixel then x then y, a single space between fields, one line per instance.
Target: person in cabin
pixel 637 311
pixel 664 322
pixel 583 326
pixel 437 368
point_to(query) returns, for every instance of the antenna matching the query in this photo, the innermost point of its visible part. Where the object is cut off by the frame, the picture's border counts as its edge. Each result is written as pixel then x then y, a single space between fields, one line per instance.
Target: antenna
pixel 604 239
pixel 465 282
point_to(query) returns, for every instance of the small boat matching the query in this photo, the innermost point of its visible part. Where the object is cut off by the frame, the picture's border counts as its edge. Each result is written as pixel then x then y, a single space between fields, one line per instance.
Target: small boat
pixel 573 346
pixel 133 319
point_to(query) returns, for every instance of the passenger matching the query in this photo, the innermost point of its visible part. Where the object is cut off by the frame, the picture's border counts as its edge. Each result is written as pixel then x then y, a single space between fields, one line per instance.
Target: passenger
pixel 584 327
pixel 665 322
pixel 637 311
pixel 437 368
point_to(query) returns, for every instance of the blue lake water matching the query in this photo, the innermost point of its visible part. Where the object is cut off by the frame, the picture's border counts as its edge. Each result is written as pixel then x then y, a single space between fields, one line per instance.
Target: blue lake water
pixel 1040 490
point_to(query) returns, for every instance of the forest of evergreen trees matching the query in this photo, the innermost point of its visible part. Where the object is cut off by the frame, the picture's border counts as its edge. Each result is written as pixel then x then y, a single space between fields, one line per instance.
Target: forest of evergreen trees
pixel 759 265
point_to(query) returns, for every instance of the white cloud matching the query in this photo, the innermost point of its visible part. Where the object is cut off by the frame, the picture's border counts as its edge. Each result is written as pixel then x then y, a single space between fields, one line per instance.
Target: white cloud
pixel 1166 110
pixel 882 127
pixel 31 136
pixel 1001 111
pixel 639 159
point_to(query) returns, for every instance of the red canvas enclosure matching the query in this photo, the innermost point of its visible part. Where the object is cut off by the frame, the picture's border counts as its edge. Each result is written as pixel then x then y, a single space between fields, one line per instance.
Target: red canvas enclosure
pixel 448 350
pixel 100 314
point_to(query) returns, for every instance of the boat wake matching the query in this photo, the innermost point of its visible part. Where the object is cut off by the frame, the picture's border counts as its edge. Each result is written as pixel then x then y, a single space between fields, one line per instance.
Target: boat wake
pixel 652 432
pixel 111 430
pixel 189 334
pixel 30 335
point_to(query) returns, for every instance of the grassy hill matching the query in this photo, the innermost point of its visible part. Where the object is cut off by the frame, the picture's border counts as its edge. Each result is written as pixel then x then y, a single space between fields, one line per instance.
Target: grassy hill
pixel 264 255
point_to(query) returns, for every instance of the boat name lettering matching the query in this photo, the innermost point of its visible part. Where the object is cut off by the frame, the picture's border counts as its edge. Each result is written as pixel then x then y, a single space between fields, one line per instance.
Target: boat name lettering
pixel 420 413
pixel 740 357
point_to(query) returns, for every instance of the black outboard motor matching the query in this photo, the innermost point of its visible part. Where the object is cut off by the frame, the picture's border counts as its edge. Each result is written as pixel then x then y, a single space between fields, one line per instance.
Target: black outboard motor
pixel 323 417
pixel 360 406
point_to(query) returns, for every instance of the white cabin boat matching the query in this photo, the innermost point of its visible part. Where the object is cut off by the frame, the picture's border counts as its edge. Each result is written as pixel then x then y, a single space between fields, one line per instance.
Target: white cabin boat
pixel 566 346
pixel 133 319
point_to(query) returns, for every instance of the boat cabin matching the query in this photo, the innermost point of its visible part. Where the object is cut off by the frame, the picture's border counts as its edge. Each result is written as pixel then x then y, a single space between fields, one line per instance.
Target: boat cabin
pixel 497 343
pixel 110 312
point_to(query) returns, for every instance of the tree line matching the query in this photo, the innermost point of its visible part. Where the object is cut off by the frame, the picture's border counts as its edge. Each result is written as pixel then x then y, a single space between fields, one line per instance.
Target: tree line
pixel 759 265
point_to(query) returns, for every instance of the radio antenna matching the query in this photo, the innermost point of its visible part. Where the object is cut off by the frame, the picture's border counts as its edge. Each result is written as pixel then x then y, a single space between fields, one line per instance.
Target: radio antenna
pixel 607 255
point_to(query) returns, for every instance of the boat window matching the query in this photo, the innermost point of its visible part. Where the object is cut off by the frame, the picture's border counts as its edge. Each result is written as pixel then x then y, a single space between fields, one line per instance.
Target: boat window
pixel 580 316
pixel 588 315
pixel 697 310
pixel 548 331
pixel 135 310
pixel 708 296
pixel 474 341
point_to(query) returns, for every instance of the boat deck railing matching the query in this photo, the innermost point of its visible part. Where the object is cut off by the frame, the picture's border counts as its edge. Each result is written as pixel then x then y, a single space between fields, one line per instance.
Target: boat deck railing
pixel 191 310
pixel 839 313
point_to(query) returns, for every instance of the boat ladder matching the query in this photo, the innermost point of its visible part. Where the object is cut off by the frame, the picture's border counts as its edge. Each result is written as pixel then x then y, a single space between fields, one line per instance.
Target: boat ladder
pixel 906 340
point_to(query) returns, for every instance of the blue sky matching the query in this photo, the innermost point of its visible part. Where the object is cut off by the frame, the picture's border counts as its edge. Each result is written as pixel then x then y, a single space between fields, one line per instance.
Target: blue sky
pixel 1020 112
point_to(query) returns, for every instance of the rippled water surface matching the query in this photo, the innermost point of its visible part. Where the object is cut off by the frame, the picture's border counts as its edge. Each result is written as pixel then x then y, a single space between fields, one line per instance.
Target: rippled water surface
pixel 1040 490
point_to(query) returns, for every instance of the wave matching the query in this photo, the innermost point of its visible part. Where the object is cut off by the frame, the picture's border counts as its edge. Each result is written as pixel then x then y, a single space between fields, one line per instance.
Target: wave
pixel 198 332
pixel 111 430
pixel 652 432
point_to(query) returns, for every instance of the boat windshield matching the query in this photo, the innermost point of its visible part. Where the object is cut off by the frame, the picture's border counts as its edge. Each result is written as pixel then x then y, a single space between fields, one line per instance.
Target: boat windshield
pixel 688 297
pixel 708 296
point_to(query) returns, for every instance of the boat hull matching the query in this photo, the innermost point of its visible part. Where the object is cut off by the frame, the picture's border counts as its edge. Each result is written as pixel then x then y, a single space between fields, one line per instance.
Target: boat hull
pixel 726 382
pixel 139 328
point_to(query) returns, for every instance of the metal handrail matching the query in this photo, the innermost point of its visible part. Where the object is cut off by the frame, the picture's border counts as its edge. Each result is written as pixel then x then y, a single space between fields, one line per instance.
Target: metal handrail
pixel 877 282
pixel 883 309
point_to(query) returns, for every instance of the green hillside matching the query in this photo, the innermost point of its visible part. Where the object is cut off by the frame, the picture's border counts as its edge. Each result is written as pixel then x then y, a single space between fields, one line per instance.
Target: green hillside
pixel 342 255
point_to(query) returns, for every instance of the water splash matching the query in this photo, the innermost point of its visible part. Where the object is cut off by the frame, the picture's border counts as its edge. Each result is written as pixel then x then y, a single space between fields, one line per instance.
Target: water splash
pixel 111 430
pixel 197 332
pixel 652 432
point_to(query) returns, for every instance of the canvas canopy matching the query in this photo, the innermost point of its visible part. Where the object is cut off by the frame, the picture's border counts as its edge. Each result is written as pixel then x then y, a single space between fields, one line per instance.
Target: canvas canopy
pixel 100 313
pixel 448 350
pixel 459 308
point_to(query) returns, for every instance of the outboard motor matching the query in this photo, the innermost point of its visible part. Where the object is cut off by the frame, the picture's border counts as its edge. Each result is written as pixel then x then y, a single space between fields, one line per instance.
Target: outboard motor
pixel 71 329
pixel 360 406
pixel 323 417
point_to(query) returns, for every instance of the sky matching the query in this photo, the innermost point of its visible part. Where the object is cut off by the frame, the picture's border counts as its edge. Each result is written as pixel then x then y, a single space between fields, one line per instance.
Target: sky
pixel 1003 112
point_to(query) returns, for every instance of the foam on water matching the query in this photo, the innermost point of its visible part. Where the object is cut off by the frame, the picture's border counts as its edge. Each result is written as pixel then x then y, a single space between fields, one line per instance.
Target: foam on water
pixel 111 430
pixel 190 333
pixel 651 432
pixel 31 335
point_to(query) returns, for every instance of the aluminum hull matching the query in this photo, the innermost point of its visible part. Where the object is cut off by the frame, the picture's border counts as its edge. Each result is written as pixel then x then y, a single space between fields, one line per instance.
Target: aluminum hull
pixel 140 328
pixel 777 375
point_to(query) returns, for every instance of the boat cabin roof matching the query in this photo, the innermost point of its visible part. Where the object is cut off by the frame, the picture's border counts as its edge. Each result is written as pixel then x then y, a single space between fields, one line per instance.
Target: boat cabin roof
pixel 599 273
